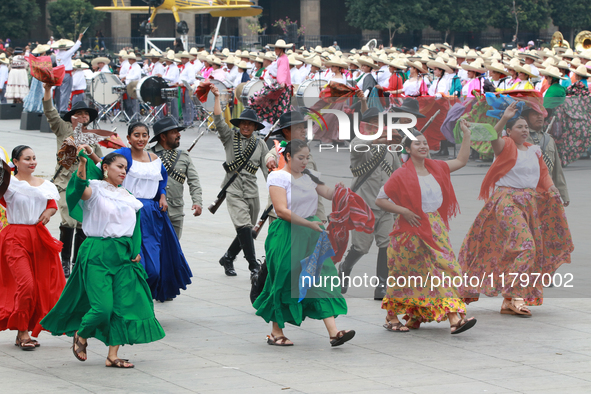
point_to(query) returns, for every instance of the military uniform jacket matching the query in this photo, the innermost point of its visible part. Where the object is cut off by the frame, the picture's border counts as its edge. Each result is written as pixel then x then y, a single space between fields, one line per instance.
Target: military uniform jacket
pixel 311 166
pixel 371 187
pixel 63 130
pixel 540 138
pixel 245 185
pixel 175 187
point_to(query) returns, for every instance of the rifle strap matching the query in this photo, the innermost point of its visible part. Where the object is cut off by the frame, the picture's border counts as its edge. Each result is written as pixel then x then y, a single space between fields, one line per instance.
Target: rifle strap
pixel 545 156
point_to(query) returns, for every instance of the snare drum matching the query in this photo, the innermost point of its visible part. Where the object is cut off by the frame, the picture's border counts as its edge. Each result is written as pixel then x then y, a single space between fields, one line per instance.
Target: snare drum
pixel 250 89
pixel 119 89
pixel 170 93
pixel 148 90
pixel 102 88
pixel 309 91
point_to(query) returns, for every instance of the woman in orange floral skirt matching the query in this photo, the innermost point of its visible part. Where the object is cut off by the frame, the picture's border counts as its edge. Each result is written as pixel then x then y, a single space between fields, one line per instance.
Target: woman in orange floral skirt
pixel 420 254
pixel 521 236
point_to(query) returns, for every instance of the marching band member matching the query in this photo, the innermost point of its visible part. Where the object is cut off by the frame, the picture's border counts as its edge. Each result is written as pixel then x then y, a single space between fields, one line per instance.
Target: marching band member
pixel 188 75
pixel 64 57
pixel 134 74
pixel 171 75
pixel 78 82
pixel 366 81
pixel 101 65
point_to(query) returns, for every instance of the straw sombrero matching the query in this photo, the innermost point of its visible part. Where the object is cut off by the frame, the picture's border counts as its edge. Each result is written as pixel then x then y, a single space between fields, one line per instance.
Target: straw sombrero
pixel 498 67
pixel 526 69
pixel 41 49
pixel 439 63
pixel 581 71
pixel 476 66
pixel 98 60
pixel 366 61
pixel 337 62
pixel 280 44
pixel 416 64
pixel 553 72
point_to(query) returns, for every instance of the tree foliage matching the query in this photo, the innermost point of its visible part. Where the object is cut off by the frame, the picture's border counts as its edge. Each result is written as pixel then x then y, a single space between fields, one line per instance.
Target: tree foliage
pixel 533 15
pixel 457 15
pixel 17 17
pixel 574 14
pixel 396 15
pixel 68 18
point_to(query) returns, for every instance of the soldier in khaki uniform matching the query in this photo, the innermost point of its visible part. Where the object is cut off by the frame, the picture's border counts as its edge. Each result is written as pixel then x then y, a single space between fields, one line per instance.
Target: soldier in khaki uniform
pixel 243 195
pixel 381 162
pixel 291 126
pixel 62 128
pixel 537 136
pixel 180 168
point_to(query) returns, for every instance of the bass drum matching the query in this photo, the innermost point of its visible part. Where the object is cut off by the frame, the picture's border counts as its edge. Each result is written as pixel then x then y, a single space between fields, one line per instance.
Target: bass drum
pixel 149 90
pixel 251 87
pixel 308 92
pixel 102 88
pixel 225 95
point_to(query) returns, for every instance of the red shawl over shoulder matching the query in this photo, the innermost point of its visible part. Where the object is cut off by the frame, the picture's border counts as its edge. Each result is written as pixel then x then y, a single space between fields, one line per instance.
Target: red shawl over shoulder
pixel 403 188
pixel 504 162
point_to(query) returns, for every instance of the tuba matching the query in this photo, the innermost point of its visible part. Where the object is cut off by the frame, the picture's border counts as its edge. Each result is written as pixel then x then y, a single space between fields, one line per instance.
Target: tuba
pixel 559 41
pixel 372 44
pixel 583 40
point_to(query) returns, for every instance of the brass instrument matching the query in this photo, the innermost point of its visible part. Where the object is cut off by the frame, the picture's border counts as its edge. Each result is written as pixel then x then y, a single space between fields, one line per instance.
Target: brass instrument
pixel 559 41
pixel 583 40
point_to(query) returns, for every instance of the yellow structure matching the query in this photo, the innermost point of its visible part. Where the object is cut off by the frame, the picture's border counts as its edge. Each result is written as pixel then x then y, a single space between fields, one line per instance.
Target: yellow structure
pixel 217 8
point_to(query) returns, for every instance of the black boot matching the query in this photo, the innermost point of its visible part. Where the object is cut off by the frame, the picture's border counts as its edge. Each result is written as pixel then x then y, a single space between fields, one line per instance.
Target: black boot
pixel 66 236
pixel 247 243
pixel 78 239
pixel 346 266
pixel 382 274
pixel 227 260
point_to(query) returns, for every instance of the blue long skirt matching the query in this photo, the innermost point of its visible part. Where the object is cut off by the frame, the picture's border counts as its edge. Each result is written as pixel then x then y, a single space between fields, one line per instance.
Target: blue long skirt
pixel 161 253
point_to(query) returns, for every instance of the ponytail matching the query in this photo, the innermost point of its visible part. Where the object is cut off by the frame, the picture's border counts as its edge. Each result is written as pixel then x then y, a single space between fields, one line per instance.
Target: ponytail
pixel 17 152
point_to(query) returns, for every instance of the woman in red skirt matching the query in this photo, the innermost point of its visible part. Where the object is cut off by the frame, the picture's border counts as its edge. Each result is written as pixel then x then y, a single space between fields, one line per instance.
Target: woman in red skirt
pixel 31 277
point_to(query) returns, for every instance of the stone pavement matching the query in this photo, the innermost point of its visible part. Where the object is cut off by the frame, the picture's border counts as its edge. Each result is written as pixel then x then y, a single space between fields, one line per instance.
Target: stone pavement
pixel 215 344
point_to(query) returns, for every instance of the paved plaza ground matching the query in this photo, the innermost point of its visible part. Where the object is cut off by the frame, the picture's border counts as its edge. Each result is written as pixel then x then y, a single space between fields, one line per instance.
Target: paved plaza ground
pixel 215 344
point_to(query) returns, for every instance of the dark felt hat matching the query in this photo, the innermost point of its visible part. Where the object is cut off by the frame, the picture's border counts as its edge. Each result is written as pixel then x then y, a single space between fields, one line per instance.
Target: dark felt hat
pixel 80 105
pixel 289 119
pixel 165 124
pixel 250 115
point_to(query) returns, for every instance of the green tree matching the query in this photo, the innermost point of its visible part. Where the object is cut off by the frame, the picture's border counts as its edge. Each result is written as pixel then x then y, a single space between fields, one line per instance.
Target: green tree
pixel 396 16
pixel 69 18
pixel 529 15
pixel 451 16
pixel 571 16
pixel 17 17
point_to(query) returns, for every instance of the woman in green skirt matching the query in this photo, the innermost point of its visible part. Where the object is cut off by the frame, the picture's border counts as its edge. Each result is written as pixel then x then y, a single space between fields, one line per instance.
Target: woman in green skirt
pixel 294 193
pixel 107 296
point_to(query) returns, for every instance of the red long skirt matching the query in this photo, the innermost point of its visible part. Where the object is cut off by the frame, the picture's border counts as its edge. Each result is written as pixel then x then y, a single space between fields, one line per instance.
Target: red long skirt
pixel 31 276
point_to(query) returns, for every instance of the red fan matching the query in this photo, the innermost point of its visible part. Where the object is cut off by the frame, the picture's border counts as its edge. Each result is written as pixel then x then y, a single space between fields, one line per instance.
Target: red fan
pixel 42 70
pixel 203 90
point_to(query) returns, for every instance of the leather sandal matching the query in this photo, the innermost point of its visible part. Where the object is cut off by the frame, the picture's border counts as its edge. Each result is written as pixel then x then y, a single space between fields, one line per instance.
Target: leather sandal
pixel 513 309
pixel 463 325
pixel 81 347
pixel 119 363
pixel 394 327
pixel 278 341
pixel 342 337
pixel 25 344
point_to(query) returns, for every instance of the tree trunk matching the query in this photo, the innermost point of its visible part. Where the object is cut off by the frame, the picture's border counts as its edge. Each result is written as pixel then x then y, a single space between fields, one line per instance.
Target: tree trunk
pixel 451 38
pixel 516 21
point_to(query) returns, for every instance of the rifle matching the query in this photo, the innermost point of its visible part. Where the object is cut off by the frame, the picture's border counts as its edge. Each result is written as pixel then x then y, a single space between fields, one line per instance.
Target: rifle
pixel 222 195
pixel 196 139
pixel 550 125
pixel 270 131
pixel 430 121
pixel 257 229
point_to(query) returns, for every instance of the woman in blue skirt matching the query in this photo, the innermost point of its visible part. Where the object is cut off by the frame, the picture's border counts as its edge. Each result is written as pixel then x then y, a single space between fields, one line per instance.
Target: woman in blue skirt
pixel 161 253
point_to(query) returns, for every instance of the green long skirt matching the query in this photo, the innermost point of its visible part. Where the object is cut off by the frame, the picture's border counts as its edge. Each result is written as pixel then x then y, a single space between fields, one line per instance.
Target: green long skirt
pixel 286 245
pixel 106 297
